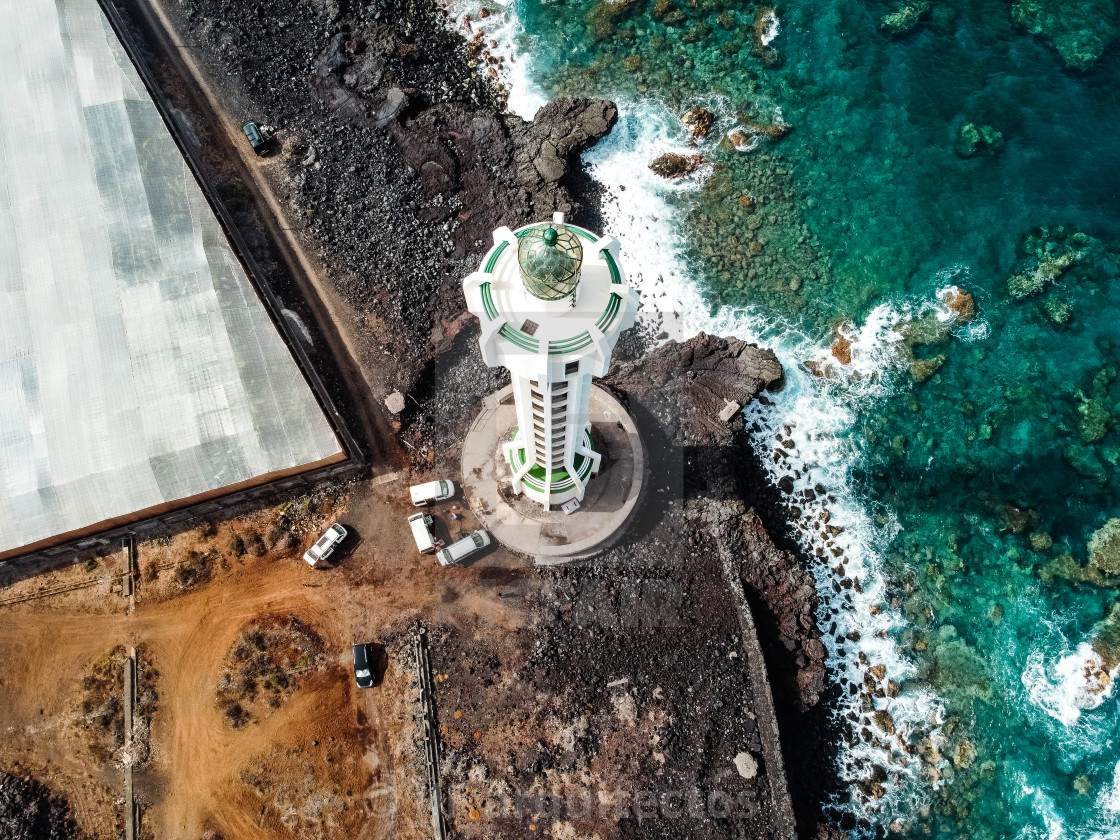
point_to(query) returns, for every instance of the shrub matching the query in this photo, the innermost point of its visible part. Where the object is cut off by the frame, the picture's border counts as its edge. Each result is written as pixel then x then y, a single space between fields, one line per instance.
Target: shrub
pixel 235 715
pixel 254 544
pixel 29 809
pixel 273 535
pixel 195 570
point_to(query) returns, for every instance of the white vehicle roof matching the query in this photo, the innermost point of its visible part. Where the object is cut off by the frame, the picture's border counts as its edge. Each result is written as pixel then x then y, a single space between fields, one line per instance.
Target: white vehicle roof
pixel 430 490
pixel 464 547
pixel 420 532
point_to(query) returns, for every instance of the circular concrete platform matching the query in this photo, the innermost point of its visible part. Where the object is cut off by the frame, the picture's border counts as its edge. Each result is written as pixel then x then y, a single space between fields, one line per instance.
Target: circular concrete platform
pixel 523 525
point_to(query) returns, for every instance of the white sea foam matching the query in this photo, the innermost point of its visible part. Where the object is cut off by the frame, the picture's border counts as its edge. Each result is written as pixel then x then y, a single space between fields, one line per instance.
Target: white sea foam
pixel 1069 685
pixel 1105 824
pixel 1042 805
pixel 1108 808
pixel 504 37
pixel 641 213
pixel 816 415
pixel 772 28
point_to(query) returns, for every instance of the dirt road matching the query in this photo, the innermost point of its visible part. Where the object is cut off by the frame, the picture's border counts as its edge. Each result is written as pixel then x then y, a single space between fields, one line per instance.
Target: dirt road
pixel 333 761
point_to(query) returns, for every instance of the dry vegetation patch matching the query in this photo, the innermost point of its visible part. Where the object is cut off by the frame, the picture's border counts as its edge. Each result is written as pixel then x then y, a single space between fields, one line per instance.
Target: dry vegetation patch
pixel 31 811
pixel 197 569
pixel 180 562
pixel 264 667
pixel 103 701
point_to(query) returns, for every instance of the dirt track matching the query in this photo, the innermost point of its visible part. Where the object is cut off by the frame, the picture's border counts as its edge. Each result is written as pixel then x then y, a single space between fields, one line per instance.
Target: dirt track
pixel 308 769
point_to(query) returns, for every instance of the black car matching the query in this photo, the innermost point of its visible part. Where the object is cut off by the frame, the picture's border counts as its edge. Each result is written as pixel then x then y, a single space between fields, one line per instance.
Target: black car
pixel 258 136
pixel 362 672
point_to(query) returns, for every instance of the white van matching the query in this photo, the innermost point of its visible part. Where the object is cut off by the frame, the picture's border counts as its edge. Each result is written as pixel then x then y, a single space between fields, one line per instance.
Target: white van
pixel 465 547
pixel 433 491
pixel 325 546
pixel 421 525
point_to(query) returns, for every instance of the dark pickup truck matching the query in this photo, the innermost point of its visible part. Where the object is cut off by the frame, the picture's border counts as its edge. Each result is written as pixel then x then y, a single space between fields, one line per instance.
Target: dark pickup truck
pixel 259 136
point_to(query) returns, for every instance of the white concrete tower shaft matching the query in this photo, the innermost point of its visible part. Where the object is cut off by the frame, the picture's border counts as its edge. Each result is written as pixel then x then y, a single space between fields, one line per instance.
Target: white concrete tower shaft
pixel 552 299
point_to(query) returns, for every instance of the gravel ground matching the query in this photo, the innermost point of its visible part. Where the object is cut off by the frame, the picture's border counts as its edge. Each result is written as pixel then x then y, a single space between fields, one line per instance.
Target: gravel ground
pixel 629 706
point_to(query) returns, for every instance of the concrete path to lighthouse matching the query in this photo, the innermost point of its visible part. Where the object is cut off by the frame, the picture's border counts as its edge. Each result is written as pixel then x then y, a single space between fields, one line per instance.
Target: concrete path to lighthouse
pixel 523 525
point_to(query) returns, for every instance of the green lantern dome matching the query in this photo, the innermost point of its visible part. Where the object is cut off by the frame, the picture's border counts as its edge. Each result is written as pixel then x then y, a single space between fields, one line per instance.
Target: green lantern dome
pixel 550 257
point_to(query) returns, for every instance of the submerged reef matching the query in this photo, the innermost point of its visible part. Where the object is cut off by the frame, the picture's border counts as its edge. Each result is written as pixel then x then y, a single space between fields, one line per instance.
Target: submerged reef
pixel 905 18
pixel 1048 253
pixel 1079 30
pixel 1103 566
pixel 603 19
pixel 1104 550
pixel 1106 643
pixel 975 139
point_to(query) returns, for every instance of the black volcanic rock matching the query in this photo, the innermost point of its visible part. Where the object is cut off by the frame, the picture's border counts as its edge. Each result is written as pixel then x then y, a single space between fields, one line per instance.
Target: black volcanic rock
pixel 29 811
pixel 697 379
pixel 395 152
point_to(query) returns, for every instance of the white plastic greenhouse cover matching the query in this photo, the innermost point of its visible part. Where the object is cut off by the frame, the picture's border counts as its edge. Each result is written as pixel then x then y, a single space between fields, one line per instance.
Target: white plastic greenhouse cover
pixel 138 367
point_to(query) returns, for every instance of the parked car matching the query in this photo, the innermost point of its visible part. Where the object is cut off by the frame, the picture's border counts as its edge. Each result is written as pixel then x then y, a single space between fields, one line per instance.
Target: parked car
pixel 457 551
pixel 433 491
pixel 362 663
pixel 258 136
pixel 325 545
pixel 421 525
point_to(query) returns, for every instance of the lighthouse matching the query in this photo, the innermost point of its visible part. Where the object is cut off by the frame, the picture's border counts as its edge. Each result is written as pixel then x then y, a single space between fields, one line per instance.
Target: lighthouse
pixel 552 299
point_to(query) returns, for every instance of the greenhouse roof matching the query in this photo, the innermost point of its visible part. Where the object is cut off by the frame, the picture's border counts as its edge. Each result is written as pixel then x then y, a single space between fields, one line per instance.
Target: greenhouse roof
pixel 138 368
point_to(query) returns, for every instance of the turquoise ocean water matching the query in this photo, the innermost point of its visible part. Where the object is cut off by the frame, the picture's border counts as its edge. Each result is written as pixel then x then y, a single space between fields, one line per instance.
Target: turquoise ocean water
pixel 972 455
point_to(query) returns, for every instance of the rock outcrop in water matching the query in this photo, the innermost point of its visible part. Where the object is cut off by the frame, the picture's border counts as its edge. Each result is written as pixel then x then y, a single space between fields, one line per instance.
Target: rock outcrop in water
pixel 1080 30
pixel 673 166
pixel 698 122
pixel 765 30
pixel 1048 253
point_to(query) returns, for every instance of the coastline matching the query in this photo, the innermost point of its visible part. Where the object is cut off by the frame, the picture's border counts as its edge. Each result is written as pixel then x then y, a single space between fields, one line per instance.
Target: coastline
pixel 399 196
pixel 431 221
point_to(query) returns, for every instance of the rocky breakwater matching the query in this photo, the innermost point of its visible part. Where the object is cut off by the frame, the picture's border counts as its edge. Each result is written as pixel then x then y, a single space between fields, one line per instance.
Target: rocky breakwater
pixel 394 151
pixel 695 390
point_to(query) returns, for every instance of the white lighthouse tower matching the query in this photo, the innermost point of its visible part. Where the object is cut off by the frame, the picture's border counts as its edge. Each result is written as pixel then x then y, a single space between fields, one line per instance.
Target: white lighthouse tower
pixel 552 298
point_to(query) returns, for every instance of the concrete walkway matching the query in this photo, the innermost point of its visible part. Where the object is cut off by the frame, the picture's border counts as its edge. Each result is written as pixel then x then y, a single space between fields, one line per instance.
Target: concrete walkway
pixel 523 525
